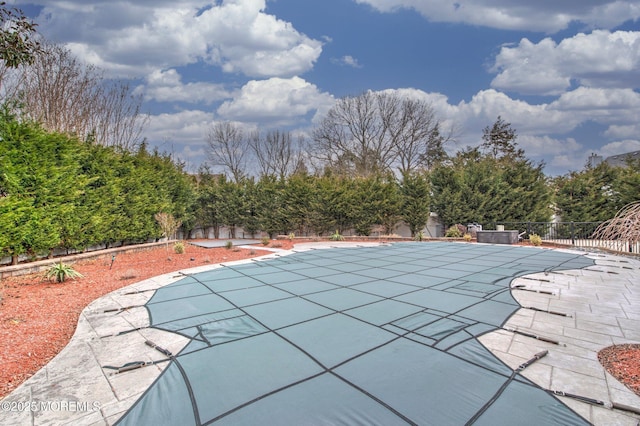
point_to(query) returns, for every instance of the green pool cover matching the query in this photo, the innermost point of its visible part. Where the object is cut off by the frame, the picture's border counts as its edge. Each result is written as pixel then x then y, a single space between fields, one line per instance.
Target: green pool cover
pixel 377 335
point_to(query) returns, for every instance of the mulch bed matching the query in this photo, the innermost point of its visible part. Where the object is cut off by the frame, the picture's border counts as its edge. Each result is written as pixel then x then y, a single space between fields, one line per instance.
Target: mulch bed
pixel 623 363
pixel 38 317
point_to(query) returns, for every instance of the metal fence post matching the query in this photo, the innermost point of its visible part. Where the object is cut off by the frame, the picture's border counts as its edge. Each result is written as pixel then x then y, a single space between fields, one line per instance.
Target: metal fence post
pixel 572 228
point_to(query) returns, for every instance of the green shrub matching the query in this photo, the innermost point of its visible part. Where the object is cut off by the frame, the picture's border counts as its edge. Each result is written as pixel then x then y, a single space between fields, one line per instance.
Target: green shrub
pixel 178 247
pixel 265 241
pixel 453 232
pixel 292 236
pixel 228 245
pixel 62 271
pixel 336 236
pixel 535 239
pixel 467 237
pixel 419 236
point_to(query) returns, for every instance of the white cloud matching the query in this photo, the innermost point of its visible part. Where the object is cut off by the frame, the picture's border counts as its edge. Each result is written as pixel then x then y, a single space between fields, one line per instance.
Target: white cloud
pixel 486 105
pixel 541 128
pixel 566 162
pixel 276 99
pixel 605 106
pixel 535 123
pixel 598 59
pixel 544 16
pixel 181 134
pixel 623 131
pixel 179 128
pixel 133 39
pixel 347 60
pixel 167 86
pixel 619 147
pixel 542 146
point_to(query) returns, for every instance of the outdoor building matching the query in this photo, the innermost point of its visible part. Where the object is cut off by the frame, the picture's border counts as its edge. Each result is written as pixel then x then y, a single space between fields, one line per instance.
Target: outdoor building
pixel 619 160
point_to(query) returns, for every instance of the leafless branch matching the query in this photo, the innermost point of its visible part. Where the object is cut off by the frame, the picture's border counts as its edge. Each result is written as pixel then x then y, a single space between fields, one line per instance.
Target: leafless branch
pixel 228 148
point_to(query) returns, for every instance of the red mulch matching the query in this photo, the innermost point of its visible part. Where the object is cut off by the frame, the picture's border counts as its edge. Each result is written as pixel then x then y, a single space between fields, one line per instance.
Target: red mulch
pixel 623 363
pixel 38 317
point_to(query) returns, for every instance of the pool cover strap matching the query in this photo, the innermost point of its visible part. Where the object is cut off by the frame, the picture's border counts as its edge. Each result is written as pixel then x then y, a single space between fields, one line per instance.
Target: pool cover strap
pixel 130 366
pixel 158 348
pixel 535 358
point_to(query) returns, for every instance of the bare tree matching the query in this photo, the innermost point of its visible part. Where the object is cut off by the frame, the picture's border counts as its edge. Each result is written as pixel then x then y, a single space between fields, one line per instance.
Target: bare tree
pixel 168 224
pixel 415 132
pixel 277 153
pixel 121 120
pixel 623 231
pixel 228 148
pixel 376 132
pixel 351 137
pixel 65 95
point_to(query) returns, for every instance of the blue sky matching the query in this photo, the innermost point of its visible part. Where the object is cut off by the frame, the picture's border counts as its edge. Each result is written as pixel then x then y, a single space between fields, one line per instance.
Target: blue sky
pixel 565 74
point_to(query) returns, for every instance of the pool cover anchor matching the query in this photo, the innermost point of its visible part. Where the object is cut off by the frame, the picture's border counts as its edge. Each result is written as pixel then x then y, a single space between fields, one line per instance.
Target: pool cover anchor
pixel 134 365
pixel 128 366
pixel 533 336
pixel 586 399
pixel 120 333
pixel 120 310
pixel 522 287
pixel 533 308
pixel 535 358
pixel 593 401
pixel 158 348
pixel 139 291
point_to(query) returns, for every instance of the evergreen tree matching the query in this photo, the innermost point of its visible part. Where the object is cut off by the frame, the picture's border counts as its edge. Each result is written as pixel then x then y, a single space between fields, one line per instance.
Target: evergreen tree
pixel 499 140
pixel 590 195
pixel 210 201
pixel 300 192
pixel 484 189
pixel 272 215
pixel 415 205
pixel 627 183
pixel 233 209
pixel 374 200
pixel 40 183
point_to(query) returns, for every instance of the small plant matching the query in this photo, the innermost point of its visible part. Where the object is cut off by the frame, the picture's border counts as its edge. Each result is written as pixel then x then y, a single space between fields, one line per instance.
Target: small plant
pixel 535 239
pixel 168 224
pixel 453 232
pixel 228 245
pixel 178 247
pixel 252 252
pixel 292 236
pixel 467 237
pixel 336 236
pixel 265 241
pixel 276 245
pixel 62 271
pixel 419 236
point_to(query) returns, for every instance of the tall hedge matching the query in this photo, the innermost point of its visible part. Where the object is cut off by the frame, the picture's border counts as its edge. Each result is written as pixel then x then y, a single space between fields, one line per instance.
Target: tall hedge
pixel 57 192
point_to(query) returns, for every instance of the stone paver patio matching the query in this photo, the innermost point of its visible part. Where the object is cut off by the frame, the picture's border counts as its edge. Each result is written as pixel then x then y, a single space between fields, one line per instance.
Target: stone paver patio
pixel 601 303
